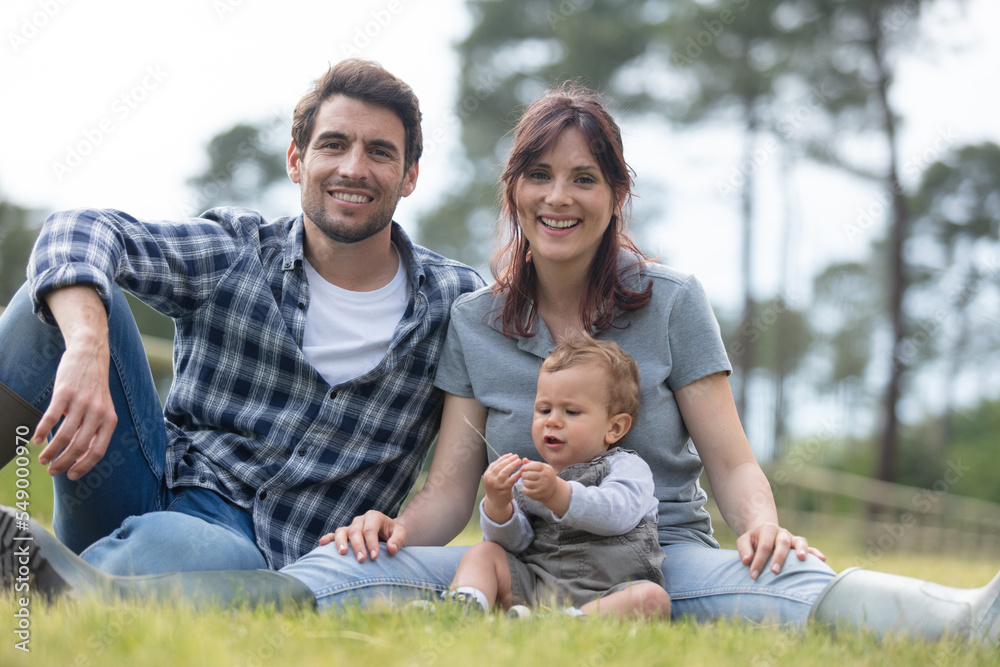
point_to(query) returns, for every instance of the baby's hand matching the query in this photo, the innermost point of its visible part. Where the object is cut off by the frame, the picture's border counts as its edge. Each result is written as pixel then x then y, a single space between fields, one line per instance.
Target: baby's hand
pixel 540 482
pixel 499 480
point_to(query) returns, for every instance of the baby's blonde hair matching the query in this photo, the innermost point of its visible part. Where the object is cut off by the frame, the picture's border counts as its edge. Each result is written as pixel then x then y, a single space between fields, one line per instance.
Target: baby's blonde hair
pixel 622 371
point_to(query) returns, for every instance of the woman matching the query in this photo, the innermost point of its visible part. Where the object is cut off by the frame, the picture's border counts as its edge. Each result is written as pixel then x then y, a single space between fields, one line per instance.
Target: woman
pixel 568 265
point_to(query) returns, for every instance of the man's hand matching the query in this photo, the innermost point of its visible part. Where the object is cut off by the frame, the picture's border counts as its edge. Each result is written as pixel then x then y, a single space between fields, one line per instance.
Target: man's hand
pixel 364 534
pixel 498 482
pixel 80 396
pixel 540 482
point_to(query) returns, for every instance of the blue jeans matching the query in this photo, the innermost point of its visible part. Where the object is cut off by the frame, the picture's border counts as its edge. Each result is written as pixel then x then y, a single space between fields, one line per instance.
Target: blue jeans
pixel 704 583
pixel 120 516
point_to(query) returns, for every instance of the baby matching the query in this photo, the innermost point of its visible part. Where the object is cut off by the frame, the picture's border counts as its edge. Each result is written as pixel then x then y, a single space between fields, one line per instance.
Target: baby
pixel 580 528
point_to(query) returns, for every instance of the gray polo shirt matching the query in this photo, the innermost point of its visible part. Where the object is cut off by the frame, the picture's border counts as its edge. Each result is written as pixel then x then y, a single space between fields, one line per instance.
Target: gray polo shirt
pixel 674 339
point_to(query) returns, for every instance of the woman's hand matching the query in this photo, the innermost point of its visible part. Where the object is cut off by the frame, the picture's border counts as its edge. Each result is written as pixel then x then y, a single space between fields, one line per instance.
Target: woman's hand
pixel 364 535
pixel 769 540
pixel 741 490
pixel 498 482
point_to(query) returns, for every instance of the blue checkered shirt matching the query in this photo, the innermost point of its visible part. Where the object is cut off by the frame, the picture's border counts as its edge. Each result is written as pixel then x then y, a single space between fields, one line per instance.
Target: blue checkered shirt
pixel 247 415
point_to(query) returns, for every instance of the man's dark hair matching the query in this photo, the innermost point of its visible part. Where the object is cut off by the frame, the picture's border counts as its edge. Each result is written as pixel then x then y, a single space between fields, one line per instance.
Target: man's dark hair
pixel 369 82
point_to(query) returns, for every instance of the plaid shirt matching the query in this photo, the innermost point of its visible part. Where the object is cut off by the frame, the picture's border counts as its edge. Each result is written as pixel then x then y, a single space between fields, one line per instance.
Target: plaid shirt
pixel 247 415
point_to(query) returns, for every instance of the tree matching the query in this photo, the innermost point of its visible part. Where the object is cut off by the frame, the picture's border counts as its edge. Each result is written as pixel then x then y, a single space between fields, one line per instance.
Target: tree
pixel 954 291
pixel 682 62
pixel 19 228
pixel 849 301
pixel 243 166
pixel 862 37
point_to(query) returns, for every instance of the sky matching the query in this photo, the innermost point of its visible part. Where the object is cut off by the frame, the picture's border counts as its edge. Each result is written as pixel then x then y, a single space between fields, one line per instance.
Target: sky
pixel 111 103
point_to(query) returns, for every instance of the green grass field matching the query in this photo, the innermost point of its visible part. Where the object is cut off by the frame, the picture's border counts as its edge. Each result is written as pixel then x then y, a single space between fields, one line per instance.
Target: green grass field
pixel 129 633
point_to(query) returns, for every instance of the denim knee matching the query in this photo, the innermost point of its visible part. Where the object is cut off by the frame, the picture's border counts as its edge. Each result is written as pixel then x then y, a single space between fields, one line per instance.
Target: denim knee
pixel 172 542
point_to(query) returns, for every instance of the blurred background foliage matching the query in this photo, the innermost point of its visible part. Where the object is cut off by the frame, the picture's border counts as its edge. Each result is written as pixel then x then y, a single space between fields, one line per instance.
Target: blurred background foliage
pixel 809 77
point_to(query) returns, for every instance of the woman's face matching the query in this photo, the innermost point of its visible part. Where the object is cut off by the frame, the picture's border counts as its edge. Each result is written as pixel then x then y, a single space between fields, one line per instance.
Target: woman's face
pixel 564 204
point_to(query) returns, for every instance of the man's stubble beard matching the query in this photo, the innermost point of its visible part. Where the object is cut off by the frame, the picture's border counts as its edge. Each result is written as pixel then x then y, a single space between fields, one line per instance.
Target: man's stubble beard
pixel 347 232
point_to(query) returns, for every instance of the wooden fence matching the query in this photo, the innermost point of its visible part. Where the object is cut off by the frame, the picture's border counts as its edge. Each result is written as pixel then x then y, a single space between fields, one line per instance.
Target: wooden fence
pixel 883 517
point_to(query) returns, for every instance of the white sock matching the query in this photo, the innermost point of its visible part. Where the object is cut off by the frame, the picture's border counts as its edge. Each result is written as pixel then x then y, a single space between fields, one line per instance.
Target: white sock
pixel 477 594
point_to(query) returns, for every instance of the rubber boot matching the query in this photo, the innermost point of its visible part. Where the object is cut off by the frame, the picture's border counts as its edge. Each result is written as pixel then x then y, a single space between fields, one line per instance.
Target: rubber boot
pixel 18 420
pixel 32 558
pixel 890 604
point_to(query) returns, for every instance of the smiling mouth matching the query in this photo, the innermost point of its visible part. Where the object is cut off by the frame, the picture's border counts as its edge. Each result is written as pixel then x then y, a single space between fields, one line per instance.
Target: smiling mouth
pixel 559 224
pixel 351 198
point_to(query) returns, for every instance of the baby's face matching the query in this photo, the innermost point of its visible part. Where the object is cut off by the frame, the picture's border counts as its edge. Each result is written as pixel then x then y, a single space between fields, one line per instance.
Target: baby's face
pixel 571 416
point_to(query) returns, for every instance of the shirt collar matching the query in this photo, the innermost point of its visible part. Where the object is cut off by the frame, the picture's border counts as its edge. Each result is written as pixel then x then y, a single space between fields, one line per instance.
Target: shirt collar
pixel 295 254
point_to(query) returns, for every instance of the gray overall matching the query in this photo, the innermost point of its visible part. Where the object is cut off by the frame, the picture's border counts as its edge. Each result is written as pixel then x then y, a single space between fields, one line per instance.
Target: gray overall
pixel 568 566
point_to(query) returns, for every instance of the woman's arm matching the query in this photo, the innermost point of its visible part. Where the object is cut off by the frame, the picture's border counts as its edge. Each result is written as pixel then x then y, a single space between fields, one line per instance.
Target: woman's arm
pixel 443 507
pixel 741 490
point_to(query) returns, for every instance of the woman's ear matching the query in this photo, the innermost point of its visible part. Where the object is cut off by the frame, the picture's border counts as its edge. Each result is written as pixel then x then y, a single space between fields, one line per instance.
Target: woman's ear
pixel 617 210
pixel 617 428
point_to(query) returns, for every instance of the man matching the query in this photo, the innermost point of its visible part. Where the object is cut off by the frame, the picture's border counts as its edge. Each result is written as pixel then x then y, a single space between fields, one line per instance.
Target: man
pixel 304 355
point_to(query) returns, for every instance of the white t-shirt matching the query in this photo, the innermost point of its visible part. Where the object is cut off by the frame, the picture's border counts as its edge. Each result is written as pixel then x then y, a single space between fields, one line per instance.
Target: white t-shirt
pixel 348 333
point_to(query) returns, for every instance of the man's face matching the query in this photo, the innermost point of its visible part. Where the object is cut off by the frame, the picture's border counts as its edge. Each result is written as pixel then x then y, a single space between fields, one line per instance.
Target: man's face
pixel 351 174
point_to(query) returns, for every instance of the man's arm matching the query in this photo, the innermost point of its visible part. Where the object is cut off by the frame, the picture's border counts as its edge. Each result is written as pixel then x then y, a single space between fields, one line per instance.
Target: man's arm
pixel 172 266
pixel 444 505
pixel 81 395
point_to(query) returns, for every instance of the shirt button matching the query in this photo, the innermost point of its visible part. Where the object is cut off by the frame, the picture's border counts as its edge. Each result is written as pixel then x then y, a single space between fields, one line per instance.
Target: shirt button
pixel 262 495
pixel 333 394
pixel 302 451
pixel 203 479
pixel 302 306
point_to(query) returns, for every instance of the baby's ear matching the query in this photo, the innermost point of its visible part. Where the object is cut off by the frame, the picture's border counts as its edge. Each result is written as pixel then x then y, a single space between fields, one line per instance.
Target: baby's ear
pixel 619 426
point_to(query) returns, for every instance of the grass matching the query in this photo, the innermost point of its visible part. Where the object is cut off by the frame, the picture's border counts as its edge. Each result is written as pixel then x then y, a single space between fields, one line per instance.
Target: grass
pixel 90 632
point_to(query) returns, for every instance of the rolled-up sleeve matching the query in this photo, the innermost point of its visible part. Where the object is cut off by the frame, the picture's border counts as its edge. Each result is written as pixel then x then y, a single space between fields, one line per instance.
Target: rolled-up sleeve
pixel 173 266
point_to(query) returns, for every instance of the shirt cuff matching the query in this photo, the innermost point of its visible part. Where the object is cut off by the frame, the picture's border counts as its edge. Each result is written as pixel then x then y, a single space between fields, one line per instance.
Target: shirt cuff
pixel 67 276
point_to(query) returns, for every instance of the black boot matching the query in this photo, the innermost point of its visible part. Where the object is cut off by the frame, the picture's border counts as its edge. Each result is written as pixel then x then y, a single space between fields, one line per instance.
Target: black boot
pixel 32 556
pixel 18 420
